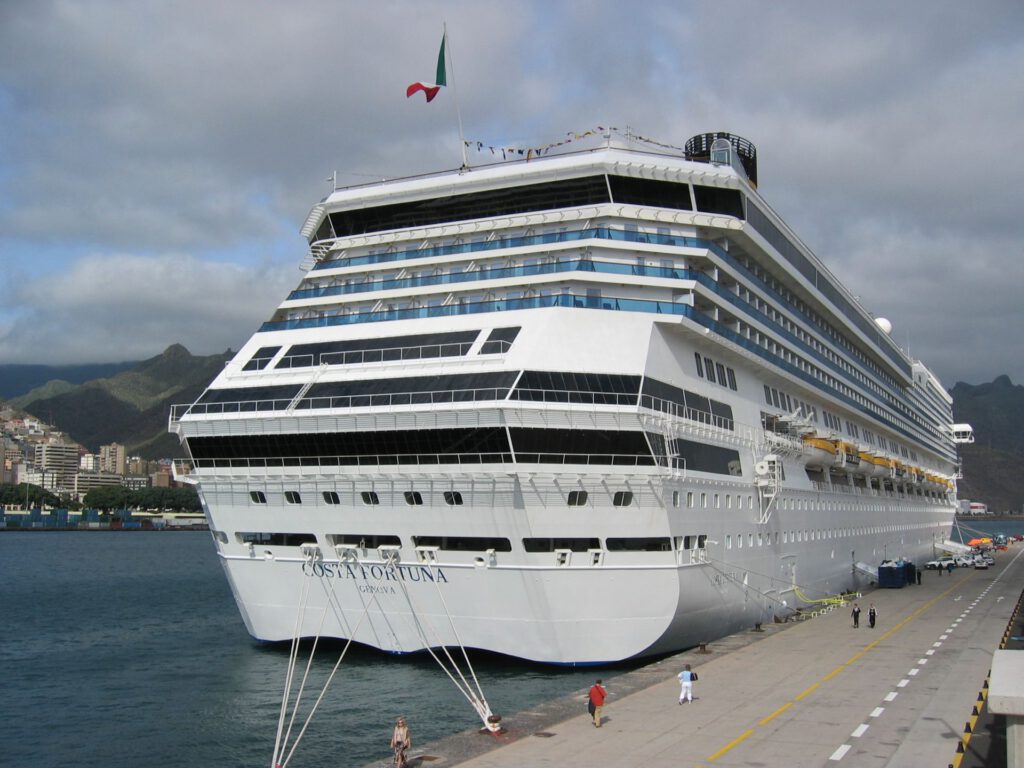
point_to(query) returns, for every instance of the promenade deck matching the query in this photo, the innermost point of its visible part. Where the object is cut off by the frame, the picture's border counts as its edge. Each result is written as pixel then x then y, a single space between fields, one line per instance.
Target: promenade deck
pixel 813 693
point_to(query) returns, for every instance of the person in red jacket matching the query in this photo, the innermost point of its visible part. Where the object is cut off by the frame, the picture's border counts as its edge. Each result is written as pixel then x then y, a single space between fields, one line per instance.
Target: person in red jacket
pixel 597 697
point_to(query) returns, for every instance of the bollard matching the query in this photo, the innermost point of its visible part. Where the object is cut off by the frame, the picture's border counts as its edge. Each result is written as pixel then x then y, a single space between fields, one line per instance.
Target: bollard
pixel 703 647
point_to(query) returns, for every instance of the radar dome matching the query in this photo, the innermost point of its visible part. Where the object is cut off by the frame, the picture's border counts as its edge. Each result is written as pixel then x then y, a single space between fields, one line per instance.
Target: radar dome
pixel 884 324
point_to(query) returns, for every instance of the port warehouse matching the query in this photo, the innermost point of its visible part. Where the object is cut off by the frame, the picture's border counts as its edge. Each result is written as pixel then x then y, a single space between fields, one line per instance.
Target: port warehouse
pixel 93 519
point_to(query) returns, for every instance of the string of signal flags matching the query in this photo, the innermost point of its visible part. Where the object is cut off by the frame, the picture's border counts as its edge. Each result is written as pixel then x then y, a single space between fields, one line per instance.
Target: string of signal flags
pixel 571 136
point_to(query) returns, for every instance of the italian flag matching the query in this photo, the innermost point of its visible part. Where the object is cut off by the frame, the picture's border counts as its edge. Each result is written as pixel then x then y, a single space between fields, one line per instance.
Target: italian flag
pixel 430 89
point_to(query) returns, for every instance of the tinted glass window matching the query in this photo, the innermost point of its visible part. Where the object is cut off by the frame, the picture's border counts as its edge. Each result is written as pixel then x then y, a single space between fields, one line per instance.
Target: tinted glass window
pixel 550 545
pixel 497 202
pixel 701 457
pixel 661 194
pixel 577 498
pixel 655 544
pixel 364 540
pixel 356 351
pixel 464 543
pixel 718 200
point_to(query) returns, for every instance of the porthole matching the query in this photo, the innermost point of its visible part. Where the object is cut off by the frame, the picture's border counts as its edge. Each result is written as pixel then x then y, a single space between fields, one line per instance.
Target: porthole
pixel 577 498
pixel 331 497
pixel 413 498
pixel 453 498
pixel 258 497
pixel 622 498
pixel 292 497
pixel 370 497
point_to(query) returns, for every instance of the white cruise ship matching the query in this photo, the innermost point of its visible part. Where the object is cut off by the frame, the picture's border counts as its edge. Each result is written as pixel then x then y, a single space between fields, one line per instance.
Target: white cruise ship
pixel 576 409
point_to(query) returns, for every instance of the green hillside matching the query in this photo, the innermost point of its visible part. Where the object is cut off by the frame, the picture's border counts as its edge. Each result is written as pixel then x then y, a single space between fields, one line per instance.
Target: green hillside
pixel 131 407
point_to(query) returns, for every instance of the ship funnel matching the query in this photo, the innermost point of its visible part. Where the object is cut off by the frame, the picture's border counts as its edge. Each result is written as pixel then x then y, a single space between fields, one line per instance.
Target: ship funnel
pixel 724 149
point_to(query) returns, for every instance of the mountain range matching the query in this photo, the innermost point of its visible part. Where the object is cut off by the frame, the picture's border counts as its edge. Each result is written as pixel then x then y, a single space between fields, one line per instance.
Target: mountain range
pixel 130 406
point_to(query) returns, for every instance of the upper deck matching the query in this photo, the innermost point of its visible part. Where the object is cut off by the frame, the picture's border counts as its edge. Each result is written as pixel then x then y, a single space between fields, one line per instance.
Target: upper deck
pixel 417 218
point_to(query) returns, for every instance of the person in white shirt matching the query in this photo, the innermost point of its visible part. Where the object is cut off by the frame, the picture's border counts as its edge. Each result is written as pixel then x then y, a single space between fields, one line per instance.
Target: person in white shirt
pixel 686 680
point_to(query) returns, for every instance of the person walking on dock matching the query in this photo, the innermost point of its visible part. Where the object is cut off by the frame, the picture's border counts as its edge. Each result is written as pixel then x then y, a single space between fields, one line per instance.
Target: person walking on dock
pixel 872 616
pixel 686 680
pixel 856 615
pixel 401 740
pixel 597 697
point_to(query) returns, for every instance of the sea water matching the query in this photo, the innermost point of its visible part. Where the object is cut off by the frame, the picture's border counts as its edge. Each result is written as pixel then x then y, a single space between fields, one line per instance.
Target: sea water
pixel 126 649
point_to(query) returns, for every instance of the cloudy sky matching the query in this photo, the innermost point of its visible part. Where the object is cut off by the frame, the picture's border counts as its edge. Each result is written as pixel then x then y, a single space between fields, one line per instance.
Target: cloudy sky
pixel 158 158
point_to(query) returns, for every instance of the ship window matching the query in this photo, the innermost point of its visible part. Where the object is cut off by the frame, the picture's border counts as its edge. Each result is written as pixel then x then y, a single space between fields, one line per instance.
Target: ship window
pixel 276 539
pixel 497 202
pixel 413 498
pixel 499 340
pixel 728 541
pixel 703 501
pixel 709 366
pixel 261 358
pixel 405 391
pixel 292 497
pixel 675 499
pixel 550 545
pixel 577 498
pixel 258 497
pixel 622 498
pixel 453 498
pixel 370 497
pixel 689 499
pixel 246 399
pixel 732 378
pixel 649 544
pixel 394 348
pixel 739 541
pixel 700 365
pixel 464 543
pixel 577 387
pixel 720 371
pixel 702 457
pixel 331 497
pixel 363 540
pixel 716 200
pixel 661 194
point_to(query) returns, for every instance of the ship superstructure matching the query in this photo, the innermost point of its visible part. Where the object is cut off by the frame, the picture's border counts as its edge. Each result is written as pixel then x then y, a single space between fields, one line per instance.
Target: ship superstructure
pixel 578 409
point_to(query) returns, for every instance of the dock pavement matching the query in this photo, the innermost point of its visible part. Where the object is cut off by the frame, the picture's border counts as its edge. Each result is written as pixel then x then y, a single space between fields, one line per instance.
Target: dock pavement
pixel 812 693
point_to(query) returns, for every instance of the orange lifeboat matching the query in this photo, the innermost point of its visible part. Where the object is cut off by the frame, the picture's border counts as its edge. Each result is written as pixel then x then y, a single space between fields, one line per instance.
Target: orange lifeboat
pixel 819 451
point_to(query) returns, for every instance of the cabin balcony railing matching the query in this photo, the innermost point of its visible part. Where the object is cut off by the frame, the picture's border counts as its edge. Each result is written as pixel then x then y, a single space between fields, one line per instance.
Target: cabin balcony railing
pixel 522 398
pixel 286 463
pixel 527 270
pixel 594 233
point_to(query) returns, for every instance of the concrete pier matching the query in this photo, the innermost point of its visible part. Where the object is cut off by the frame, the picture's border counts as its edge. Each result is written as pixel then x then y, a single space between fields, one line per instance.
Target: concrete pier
pixel 813 693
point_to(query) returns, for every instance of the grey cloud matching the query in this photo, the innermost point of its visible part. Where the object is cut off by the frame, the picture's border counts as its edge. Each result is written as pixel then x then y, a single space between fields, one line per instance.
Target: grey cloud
pixel 888 138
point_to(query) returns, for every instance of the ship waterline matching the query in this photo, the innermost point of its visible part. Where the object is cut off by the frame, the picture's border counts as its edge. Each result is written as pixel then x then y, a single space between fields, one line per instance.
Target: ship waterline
pixel 578 410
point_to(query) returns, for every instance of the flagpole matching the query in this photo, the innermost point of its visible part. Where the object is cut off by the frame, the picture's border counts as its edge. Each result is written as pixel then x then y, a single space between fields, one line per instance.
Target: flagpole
pixel 455 96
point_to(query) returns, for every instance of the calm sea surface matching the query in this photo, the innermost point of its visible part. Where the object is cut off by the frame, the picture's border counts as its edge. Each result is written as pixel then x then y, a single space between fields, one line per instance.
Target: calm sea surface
pixel 126 649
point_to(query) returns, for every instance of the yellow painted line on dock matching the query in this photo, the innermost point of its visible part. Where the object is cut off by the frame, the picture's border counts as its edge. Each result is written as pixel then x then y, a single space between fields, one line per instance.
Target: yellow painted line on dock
pixel 773 715
pixel 742 737
pixel 849 662
pixel 807 692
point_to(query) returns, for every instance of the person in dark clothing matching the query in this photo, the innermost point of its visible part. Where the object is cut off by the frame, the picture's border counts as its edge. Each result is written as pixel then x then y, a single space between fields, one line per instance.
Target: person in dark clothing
pixel 856 615
pixel 872 616
pixel 918 577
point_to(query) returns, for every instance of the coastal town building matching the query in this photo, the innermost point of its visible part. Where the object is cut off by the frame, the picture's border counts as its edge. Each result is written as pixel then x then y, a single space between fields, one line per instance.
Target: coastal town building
pixel 113 459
